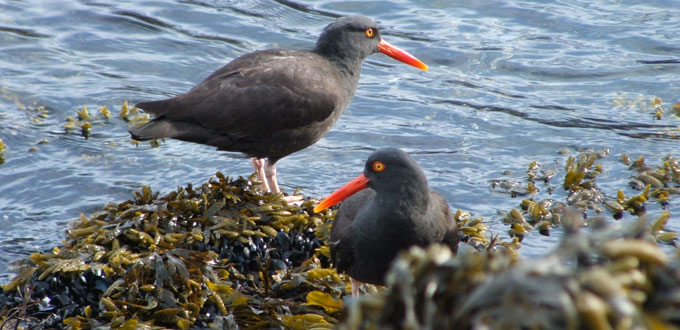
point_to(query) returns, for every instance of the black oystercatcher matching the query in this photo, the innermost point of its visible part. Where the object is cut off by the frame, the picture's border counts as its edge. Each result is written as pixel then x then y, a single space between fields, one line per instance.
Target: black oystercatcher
pixel 271 103
pixel 391 208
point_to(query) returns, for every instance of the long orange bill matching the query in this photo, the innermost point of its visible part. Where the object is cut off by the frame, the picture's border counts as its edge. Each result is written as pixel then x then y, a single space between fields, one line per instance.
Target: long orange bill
pixel 400 55
pixel 341 194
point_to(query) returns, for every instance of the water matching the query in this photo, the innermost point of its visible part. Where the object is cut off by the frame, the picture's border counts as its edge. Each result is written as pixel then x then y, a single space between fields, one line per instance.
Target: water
pixel 510 82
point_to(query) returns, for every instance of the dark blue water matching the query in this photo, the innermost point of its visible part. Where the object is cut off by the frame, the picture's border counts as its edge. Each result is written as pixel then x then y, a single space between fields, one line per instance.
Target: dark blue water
pixel 510 82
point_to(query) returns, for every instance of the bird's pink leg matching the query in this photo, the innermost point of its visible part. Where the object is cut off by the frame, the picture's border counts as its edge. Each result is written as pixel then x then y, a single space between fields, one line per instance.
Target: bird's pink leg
pixel 259 167
pixel 355 287
pixel 270 170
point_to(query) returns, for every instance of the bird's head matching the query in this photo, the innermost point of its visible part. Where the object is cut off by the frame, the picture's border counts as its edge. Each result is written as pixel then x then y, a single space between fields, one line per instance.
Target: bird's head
pixel 356 37
pixel 387 171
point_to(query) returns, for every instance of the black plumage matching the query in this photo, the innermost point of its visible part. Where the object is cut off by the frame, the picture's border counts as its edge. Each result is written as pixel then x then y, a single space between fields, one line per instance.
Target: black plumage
pixel 387 209
pixel 271 103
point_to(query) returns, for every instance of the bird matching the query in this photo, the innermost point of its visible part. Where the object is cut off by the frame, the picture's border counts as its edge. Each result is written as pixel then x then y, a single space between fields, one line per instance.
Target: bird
pixel 386 209
pixel 270 103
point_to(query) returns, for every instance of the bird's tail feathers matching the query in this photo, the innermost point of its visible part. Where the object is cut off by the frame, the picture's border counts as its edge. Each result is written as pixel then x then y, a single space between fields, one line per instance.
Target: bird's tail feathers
pixel 157 129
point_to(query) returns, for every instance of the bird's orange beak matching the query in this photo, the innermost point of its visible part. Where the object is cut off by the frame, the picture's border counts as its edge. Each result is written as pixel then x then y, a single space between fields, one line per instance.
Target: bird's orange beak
pixel 341 194
pixel 400 55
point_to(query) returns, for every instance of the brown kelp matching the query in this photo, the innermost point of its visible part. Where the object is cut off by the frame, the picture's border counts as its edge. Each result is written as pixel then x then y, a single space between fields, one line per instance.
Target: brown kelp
pixel 84 120
pixel 3 148
pixel 543 213
pixel 220 253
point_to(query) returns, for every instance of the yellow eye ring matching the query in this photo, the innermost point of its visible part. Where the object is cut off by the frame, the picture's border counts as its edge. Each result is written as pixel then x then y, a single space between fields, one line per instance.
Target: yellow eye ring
pixel 378 166
pixel 370 32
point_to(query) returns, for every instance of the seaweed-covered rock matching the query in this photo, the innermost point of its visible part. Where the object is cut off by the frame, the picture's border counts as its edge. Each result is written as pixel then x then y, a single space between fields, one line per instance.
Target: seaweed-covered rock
pixel 222 253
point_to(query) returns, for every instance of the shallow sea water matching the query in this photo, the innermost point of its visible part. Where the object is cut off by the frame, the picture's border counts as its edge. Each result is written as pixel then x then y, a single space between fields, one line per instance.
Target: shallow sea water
pixel 510 82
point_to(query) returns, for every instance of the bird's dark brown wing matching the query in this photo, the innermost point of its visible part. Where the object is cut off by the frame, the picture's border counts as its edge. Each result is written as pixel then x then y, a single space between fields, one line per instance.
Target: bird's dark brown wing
pixel 445 221
pixel 342 250
pixel 256 95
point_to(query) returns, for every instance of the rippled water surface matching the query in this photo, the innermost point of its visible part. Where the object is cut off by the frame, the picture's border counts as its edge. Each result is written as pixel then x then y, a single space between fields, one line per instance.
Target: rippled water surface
pixel 510 82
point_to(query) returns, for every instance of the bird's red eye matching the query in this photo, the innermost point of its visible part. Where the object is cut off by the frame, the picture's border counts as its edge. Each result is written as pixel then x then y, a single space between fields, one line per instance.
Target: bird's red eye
pixel 378 166
pixel 370 32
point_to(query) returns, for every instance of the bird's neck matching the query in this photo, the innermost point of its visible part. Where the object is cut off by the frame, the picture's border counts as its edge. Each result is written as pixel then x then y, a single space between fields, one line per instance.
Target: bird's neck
pixel 349 67
pixel 411 199
pixel 347 63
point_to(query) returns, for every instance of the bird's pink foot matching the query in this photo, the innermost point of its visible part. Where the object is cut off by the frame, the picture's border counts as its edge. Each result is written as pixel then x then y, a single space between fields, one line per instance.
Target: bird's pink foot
pixel 259 167
pixel 355 287
pixel 294 199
